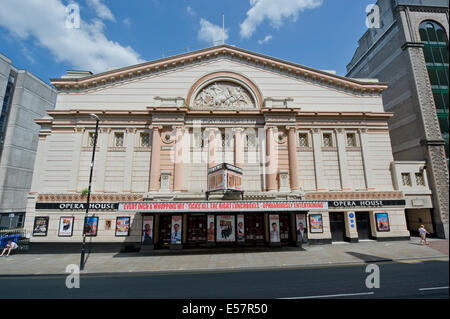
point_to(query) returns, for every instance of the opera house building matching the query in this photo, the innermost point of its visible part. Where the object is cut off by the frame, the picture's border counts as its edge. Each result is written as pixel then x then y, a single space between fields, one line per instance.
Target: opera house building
pixel 220 147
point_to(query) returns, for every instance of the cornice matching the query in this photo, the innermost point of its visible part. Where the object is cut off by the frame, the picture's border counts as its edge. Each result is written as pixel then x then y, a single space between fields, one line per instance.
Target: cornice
pixel 136 71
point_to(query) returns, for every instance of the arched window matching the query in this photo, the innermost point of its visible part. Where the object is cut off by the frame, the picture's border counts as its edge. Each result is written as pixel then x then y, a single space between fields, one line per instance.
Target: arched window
pixel 435 51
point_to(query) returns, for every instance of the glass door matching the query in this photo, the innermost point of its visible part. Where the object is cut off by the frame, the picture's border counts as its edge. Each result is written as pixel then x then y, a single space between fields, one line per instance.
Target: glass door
pixel 285 233
pixel 197 229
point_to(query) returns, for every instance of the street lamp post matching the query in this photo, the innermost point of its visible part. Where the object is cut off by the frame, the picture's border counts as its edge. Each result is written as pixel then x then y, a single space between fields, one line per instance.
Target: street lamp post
pixel 89 191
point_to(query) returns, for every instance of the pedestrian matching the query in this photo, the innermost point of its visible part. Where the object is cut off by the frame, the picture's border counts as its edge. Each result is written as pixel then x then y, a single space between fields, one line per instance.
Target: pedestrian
pixel 9 246
pixel 423 235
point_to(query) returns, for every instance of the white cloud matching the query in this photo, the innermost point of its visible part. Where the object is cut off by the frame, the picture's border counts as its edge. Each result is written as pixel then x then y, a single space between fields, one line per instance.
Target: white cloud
pixel 45 21
pixel 101 9
pixel 275 12
pixel 210 32
pixel 190 11
pixel 127 22
pixel 266 39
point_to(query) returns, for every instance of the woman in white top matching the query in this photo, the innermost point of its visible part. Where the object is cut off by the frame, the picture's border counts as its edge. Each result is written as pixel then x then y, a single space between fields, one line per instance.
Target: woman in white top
pixel 423 235
pixel 10 246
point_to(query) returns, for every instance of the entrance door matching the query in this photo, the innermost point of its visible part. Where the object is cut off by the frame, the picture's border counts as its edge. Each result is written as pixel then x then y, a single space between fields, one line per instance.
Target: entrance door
pixel 337 225
pixel 165 223
pixel 363 225
pixel 254 228
pixel 196 229
pixel 285 233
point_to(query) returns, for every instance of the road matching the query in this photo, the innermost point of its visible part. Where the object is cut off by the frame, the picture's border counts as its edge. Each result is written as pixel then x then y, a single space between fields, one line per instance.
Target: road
pixel 414 279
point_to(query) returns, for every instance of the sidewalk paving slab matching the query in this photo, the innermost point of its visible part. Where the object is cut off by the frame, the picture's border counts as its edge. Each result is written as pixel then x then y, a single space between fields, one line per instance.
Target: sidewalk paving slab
pixel 332 254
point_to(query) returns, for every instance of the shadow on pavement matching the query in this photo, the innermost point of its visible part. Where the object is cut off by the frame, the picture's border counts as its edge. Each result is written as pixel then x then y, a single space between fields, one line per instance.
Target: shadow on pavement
pixel 208 251
pixel 367 258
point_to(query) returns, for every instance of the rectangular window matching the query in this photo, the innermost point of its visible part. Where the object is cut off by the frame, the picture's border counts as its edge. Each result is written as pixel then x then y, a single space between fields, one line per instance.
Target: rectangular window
pixel 303 140
pixel 419 179
pixel 91 138
pixel 145 140
pixel 327 140
pixel 406 179
pixel 351 140
pixel 251 140
pixel 118 139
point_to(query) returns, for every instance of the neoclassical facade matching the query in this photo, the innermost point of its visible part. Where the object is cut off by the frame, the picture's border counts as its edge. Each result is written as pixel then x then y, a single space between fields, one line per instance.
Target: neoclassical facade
pixel 220 146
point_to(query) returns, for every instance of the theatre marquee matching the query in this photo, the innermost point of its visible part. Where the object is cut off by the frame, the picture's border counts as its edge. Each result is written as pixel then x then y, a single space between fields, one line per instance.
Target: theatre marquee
pixel 182 207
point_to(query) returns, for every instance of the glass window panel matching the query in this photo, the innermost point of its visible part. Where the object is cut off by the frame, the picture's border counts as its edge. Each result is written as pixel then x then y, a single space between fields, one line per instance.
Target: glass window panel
pixel 437 55
pixel 445 98
pixel 427 54
pixel 433 77
pixel 423 34
pixel 443 122
pixel 443 77
pixel 438 100
pixel 431 32
pixel 441 36
pixel 444 52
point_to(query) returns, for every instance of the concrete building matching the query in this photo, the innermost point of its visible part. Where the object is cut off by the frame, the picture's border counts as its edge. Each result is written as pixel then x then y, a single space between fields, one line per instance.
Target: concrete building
pixel 23 98
pixel 221 146
pixel 409 52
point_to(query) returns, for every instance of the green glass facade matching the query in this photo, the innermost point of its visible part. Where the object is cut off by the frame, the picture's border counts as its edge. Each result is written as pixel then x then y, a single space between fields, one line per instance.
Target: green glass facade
pixel 436 57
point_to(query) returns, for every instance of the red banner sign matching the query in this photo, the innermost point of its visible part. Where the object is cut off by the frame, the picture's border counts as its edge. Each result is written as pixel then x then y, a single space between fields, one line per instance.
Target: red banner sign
pixel 221 206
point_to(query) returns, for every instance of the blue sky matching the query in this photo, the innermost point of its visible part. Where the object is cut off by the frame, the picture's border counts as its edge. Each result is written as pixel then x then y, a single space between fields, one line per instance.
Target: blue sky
pixel 322 34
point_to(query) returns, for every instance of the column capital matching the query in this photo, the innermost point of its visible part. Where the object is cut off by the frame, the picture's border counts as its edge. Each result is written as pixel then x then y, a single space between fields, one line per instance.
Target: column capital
pixel 362 130
pixel 156 127
pixel 131 130
pixel 291 127
pixel 104 130
pixel 315 130
pixel 339 130
pixel 237 129
pixel 79 129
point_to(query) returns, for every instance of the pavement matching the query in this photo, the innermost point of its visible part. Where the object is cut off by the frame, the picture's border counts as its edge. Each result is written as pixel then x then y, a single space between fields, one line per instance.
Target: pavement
pixel 219 260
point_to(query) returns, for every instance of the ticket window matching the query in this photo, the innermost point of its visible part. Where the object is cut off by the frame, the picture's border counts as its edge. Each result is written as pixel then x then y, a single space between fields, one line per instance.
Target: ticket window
pixel 285 233
pixel 254 227
pixel 197 228
pixel 165 223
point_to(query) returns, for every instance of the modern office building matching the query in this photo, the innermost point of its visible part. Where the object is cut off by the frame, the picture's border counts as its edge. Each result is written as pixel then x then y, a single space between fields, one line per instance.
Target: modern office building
pixel 220 146
pixel 409 52
pixel 23 98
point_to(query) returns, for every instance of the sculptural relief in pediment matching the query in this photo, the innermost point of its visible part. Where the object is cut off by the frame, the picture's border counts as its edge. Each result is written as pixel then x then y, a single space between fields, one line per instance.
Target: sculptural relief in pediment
pixel 223 94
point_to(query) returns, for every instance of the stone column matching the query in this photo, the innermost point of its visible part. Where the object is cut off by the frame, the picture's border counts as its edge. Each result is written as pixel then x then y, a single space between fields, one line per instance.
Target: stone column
pixel 130 140
pixel 156 159
pixel 318 163
pixel 293 165
pixel 271 161
pixel 211 147
pixel 37 185
pixel 100 160
pixel 178 158
pixel 238 148
pixel 343 167
pixel 365 158
pixel 78 140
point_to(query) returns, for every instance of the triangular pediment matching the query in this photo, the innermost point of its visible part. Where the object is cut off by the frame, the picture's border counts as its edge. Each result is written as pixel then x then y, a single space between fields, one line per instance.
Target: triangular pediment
pixel 278 66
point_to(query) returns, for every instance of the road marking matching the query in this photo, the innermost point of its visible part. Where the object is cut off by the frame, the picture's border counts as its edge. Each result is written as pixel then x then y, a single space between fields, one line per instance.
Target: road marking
pixel 434 288
pixel 330 296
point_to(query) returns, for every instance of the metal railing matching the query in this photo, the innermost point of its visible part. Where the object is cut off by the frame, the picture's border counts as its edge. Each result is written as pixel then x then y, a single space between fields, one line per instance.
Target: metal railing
pixel 17 235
